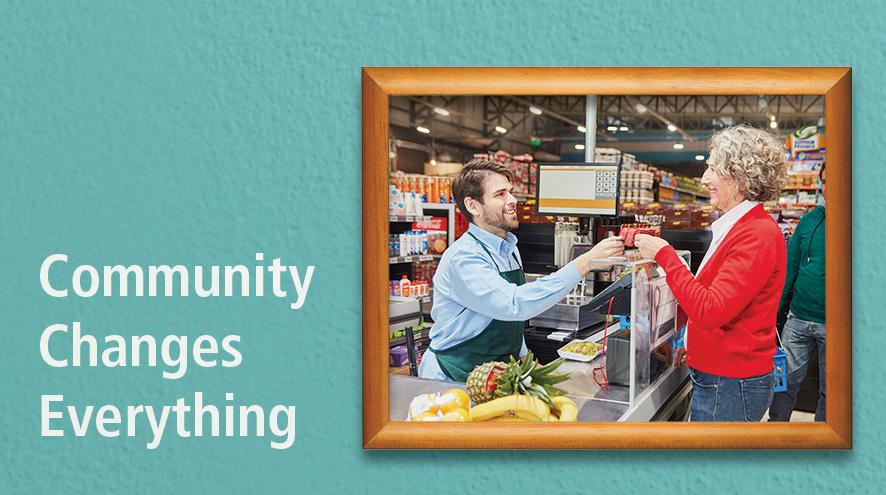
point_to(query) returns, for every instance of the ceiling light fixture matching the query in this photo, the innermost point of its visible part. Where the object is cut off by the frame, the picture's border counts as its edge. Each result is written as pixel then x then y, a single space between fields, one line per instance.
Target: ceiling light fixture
pixel 579 147
pixel 582 128
pixel 773 124
pixel 672 127
pixel 640 108
pixel 501 130
pixel 612 128
pixel 699 157
pixel 623 128
pixel 423 130
pixel 678 146
pixel 772 118
pixel 441 111
pixel 534 109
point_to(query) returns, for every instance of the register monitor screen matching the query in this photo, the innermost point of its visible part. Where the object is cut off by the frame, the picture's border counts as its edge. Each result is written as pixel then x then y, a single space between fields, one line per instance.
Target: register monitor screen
pixel 577 189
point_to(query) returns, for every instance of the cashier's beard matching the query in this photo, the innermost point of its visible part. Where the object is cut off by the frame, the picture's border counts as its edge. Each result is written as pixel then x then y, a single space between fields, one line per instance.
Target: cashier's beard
pixel 505 219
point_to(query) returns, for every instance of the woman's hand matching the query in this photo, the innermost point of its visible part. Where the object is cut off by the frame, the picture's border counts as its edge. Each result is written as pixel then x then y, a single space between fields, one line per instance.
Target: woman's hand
pixel 649 245
pixel 680 356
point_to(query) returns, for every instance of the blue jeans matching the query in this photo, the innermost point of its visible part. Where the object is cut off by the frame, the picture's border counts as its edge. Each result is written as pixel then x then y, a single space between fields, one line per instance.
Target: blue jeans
pixel 718 398
pixel 800 338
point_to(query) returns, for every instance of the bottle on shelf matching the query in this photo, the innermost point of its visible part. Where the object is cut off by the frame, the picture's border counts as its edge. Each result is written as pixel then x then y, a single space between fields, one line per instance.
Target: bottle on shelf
pixel 434 194
pixel 403 245
pixel 420 189
pixel 405 287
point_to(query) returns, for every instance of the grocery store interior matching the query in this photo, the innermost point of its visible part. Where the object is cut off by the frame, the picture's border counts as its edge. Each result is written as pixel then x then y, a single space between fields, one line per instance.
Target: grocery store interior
pixel 656 148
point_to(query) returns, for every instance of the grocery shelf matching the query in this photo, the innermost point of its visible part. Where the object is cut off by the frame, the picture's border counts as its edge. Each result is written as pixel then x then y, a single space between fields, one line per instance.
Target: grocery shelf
pixel 423 334
pixel 428 298
pixel 410 218
pixel 409 259
pixel 687 191
pixel 680 189
pixel 681 202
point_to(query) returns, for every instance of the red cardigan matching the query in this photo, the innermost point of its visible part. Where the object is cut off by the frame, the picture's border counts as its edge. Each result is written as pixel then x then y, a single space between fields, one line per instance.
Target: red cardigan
pixel 733 302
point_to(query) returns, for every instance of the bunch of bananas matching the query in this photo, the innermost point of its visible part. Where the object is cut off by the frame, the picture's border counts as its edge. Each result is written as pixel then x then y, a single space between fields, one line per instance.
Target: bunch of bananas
pixel 518 407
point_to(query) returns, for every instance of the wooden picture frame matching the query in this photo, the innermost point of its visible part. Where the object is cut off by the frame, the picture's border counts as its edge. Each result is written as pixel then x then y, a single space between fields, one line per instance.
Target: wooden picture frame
pixel 380 83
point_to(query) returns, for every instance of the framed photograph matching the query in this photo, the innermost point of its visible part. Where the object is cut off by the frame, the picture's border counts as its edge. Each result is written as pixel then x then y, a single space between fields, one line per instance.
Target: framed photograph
pixel 430 121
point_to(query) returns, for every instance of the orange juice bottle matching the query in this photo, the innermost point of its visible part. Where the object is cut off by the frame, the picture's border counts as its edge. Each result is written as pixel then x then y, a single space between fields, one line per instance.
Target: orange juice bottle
pixel 405 289
pixel 420 188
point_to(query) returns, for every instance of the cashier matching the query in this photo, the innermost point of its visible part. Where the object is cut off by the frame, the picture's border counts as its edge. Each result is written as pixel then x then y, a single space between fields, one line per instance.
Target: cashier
pixel 481 298
pixel 733 298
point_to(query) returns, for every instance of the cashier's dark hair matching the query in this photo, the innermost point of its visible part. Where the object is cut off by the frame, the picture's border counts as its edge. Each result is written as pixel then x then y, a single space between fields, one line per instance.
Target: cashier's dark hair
pixel 469 182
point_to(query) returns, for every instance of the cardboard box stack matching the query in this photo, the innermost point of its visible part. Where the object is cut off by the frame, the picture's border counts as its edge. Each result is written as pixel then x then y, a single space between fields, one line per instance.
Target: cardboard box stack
pixel 522 167
pixel 680 216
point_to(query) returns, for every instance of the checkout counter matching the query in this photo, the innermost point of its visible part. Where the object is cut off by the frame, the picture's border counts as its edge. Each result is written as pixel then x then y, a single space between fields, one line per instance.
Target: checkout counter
pixel 643 323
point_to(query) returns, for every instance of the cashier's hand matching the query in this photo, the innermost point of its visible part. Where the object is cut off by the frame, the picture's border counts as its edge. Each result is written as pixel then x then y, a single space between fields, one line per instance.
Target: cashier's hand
pixel 607 248
pixel 649 245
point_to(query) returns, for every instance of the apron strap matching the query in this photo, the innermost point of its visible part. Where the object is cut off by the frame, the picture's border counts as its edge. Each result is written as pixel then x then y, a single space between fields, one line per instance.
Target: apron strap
pixel 519 265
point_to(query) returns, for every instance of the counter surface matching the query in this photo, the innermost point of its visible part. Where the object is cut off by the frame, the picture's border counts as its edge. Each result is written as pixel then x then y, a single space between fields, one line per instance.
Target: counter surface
pixel 594 404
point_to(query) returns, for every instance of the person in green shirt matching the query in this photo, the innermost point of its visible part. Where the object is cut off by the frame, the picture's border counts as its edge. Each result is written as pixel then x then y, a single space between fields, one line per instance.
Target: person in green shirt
pixel 804 330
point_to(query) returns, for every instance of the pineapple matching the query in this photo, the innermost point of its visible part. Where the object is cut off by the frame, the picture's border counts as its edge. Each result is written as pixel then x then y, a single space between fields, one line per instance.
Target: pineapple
pixel 481 383
pixel 496 379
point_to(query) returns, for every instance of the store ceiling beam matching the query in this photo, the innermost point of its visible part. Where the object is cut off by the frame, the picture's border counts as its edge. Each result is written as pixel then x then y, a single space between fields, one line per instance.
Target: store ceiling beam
pixel 469 136
pixel 812 103
pixel 547 111
pixel 473 126
pixel 657 115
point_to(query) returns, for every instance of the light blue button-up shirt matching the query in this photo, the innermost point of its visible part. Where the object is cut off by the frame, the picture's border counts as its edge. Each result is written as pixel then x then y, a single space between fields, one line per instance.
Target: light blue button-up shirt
pixel 469 292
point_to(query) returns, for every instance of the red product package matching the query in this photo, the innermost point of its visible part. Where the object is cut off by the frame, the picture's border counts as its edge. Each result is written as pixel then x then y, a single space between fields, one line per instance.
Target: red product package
pixel 629 230
pixel 435 223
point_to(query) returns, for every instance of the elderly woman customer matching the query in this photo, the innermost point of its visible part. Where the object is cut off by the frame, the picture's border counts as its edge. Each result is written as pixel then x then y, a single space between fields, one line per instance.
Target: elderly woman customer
pixel 732 300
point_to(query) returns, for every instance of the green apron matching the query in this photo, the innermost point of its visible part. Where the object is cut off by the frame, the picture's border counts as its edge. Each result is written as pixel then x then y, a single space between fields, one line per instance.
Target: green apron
pixel 497 342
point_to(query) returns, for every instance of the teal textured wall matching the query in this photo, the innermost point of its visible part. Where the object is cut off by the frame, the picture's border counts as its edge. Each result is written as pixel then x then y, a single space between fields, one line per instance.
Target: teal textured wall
pixel 202 132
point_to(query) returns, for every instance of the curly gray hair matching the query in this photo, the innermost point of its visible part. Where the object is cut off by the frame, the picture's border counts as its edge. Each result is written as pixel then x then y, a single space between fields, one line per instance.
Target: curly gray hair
pixel 753 158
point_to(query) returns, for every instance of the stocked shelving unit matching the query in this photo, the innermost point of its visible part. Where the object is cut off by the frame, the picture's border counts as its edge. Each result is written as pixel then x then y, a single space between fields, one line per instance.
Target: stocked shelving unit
pixel 692 196
pixel 394 260
pixel 410 218
pixel 404 265
pixel 418 335
pixel 798 196
pixel 796 199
